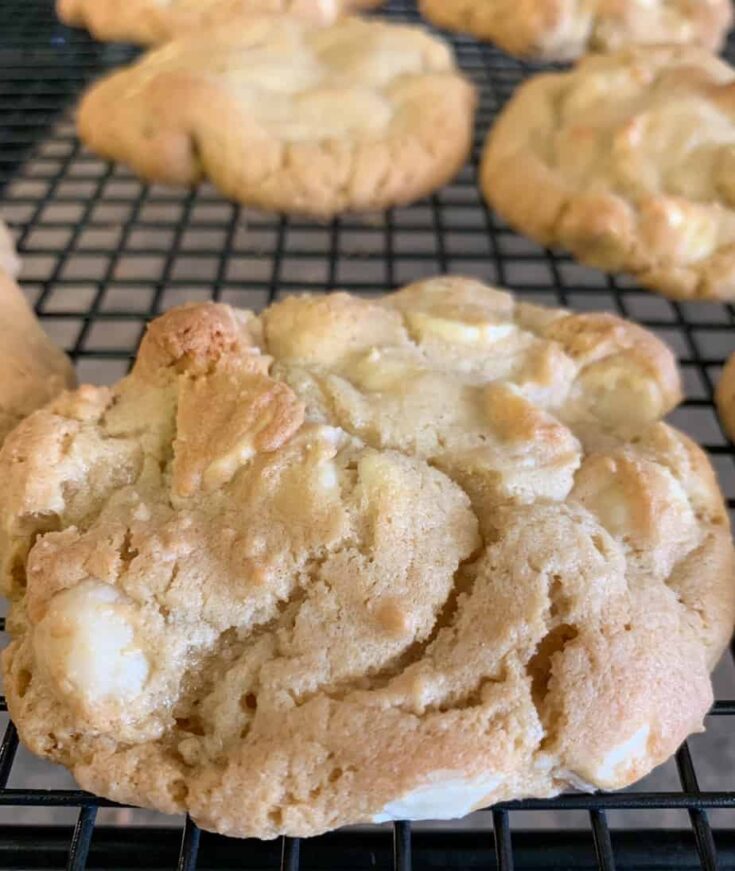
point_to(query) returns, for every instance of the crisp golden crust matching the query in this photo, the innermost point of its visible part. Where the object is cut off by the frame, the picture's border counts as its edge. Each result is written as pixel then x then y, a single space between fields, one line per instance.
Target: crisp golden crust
pixel 34 369
pixel 150 22
pixel 627 162
pixel 725 397
pixel 358 560
pixel 286 116
pixel 568 29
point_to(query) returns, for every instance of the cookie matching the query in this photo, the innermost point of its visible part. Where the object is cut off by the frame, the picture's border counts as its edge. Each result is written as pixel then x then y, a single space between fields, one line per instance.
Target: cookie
pixel 567 29
pixel 725 397
pixel 360 560
pixel 627 161
pixel 148 22
pixel 34 369
pixel 282 115
pixel 9 260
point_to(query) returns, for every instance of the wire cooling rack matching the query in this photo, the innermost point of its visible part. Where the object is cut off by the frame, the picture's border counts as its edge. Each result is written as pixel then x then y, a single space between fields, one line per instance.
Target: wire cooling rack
pixel 103 254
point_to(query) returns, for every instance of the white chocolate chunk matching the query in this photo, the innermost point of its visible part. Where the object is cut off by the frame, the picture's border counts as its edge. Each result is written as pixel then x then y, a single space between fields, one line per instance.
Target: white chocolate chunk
pixel 332 435
pixel 328 9
pixel 447 796
pixel 622 757
pixel 615 766
pixel 222 470
pixel 86 642
pixel 427 326
pixel 142 512
pixel 378 371
pixel 327 475
pixel 329 440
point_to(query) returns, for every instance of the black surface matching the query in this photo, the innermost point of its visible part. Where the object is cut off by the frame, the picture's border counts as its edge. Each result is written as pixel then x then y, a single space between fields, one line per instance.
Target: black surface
pixel 47 847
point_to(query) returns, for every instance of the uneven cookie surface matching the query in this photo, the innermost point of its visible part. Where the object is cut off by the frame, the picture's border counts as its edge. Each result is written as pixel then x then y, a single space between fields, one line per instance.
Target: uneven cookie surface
pixel 34 370
pixel 358 560
pixel 627 161
pixel 148 22
pixel 284 115
pixel 567 29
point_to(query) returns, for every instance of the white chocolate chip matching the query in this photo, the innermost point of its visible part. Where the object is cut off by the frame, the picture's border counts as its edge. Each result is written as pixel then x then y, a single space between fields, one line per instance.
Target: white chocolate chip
pixel 622 758
pixel 447 795
pixel 87 644
pixel 428 326
pixel 327 476
pixel 142 512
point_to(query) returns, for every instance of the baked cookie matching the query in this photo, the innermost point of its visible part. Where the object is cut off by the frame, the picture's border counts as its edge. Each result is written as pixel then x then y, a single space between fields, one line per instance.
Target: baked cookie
pixel 725 397
pixel 282 115
pixel 9 260
pixel 362 560
pixel 34 369
pixel 627 161
pixel 567 29
pixel 148 22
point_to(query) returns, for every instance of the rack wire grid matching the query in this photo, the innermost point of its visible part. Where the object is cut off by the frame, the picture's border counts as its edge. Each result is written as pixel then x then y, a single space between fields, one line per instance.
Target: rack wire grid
pixel 103 253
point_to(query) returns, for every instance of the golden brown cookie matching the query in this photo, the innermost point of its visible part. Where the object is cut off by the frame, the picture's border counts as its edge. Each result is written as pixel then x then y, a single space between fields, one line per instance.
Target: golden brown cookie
pixel 283 115
pixel 627 161
pixel 567 29
pixel 149 22
pixel 359 560
pixel 34 370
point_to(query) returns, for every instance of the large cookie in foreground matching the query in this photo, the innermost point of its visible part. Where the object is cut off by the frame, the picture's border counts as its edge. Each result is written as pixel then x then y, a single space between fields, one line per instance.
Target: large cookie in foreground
pixel 148 22
pixel 627 161
pixel 359 560
pixel 283 115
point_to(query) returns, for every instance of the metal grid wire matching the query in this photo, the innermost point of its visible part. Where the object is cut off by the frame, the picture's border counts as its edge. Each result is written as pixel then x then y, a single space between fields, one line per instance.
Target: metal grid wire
pixel 104 253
